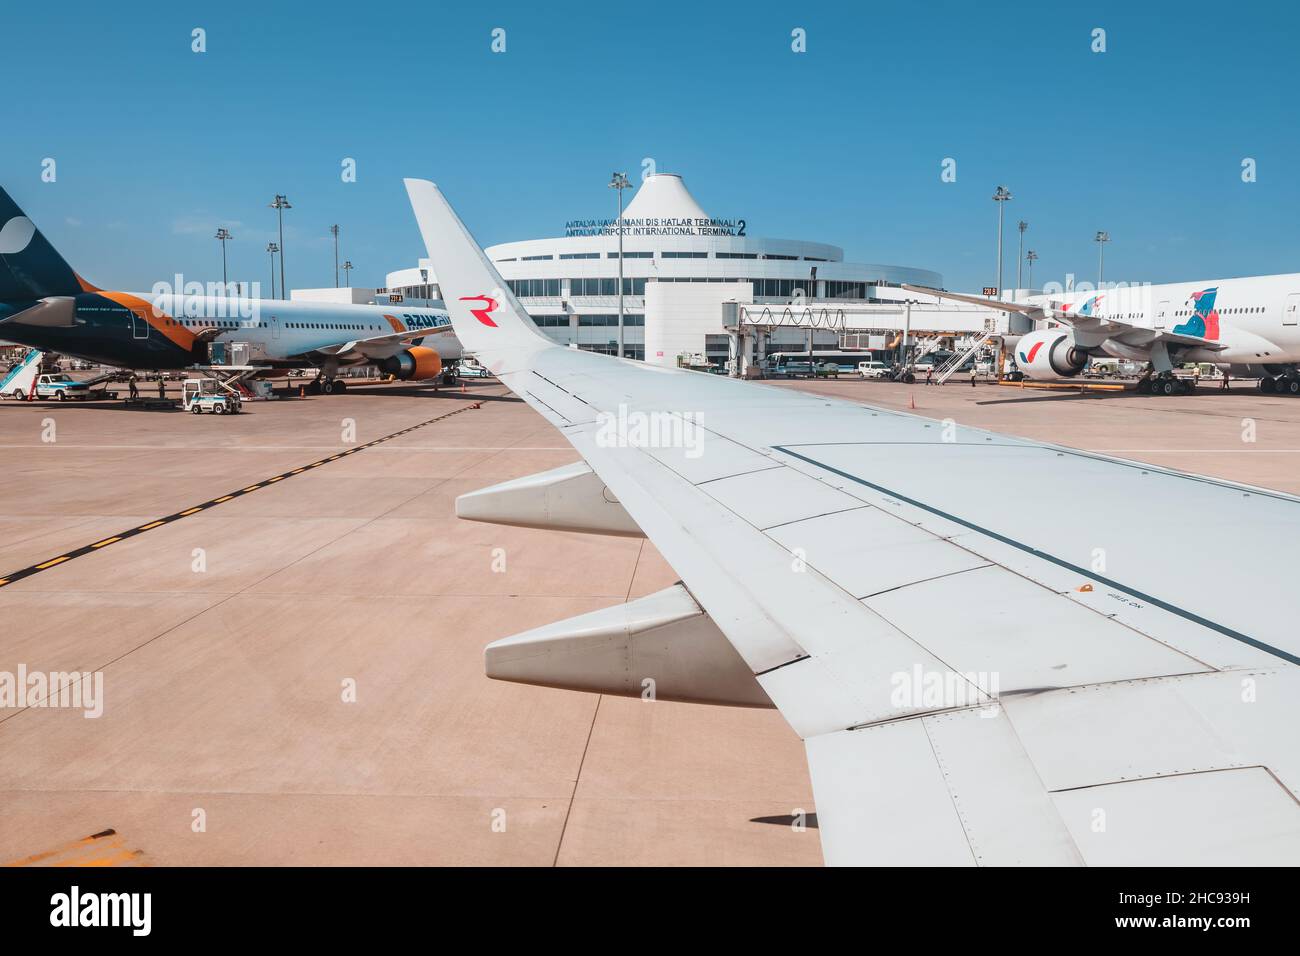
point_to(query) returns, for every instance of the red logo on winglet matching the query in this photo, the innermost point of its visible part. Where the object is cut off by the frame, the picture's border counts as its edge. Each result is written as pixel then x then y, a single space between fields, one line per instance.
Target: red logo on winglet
pixel 482 314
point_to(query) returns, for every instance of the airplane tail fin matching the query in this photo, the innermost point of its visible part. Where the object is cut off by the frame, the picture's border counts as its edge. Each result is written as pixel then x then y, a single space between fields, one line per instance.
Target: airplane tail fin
pixel 31 268
pixel 485 314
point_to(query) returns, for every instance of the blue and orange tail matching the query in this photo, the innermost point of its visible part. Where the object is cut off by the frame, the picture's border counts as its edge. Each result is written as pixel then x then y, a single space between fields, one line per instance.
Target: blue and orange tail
pixel 30 268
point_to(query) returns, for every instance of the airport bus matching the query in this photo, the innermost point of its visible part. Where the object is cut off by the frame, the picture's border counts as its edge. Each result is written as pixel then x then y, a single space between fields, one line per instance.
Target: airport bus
pixel 796 363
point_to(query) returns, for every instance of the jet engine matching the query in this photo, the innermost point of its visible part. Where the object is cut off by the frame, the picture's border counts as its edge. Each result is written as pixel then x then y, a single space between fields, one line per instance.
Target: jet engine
pixel 1050 354
pixel 414 364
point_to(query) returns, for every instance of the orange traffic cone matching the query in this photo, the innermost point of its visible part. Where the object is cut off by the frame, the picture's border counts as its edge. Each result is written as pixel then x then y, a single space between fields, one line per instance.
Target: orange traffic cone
pixel 911 401
pixel 301 392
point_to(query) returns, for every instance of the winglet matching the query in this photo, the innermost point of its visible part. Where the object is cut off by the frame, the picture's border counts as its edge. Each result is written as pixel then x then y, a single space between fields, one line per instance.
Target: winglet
pixel 485 314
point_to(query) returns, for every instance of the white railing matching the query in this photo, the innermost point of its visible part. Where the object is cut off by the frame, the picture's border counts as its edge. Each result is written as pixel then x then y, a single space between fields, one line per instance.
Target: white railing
pixel 946 370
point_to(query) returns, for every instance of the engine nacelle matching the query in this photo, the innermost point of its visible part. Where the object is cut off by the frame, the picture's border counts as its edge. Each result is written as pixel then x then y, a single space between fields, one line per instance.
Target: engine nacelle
pixel 414 364
pixel 1049 354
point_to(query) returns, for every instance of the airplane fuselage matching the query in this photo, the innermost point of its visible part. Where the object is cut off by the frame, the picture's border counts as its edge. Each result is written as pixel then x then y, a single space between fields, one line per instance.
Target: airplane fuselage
pixel 144 331
pixel 1252 321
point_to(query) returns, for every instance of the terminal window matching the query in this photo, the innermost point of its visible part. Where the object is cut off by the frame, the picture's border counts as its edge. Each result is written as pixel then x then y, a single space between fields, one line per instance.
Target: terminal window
pixel 778 288
pixel 603 319
pixel 535 287
pixel 845 290
pixel 606 286
pixel 629 351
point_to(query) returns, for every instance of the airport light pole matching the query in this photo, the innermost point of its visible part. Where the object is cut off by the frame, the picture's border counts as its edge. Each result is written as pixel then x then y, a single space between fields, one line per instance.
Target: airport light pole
pixel 1000 196
pixel 272 248
pixel 1101 239
pixel 223 234
pixel 280 204
pixel 347 269
pixel 334 231
pixel 1031 257
pixel 907 331
pixel 619 182
pixel 1020 252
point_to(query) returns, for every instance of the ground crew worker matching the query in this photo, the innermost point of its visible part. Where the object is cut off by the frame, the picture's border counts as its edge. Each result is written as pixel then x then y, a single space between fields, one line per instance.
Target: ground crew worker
pixel 162 387
pixel 929 375
pixel 133 387
pixel 973 373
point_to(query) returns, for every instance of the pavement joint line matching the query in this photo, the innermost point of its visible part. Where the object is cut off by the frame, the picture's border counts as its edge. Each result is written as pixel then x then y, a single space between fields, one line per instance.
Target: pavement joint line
pixel 78 552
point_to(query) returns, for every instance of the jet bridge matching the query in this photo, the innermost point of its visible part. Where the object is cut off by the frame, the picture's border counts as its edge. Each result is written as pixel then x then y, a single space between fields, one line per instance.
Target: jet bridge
pixel 901 324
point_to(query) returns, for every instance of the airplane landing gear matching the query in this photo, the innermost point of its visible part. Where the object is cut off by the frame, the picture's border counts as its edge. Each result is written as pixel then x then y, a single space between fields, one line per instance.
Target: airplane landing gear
pixel 327 386
pixel 1280 384
pixel 1165 383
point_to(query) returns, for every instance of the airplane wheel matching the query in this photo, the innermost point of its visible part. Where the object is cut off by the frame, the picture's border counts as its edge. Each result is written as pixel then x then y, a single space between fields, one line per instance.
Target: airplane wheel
pixel 909 379
pixel 1144 386
pixel 1268 386
pixel 327 387
pixel 340 386
pixel 1293 386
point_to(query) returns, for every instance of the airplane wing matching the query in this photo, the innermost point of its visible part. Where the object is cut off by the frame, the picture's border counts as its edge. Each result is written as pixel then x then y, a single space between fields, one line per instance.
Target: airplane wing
pixel 1097 327
pixel 1033 311
pixel 980 677
pixel 382 346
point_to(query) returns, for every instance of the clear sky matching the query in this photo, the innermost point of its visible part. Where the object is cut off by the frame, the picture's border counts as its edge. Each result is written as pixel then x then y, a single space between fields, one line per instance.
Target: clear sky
pixel 156 146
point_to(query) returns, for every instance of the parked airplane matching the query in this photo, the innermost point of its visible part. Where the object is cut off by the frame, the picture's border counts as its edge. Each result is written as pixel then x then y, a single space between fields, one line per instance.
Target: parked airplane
pixel 1074 679
pixel 46 305
pixel 1248 326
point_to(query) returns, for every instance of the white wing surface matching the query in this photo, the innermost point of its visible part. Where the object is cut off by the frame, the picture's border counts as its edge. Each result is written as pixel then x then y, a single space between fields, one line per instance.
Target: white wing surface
pixel 983 673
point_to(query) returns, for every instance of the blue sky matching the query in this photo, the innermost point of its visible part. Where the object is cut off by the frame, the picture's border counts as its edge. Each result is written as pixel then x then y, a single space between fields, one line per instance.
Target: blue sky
pixel 156 146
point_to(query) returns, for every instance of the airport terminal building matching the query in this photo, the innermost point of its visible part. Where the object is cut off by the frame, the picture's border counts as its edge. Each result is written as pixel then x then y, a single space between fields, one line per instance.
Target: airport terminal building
pixel 679 266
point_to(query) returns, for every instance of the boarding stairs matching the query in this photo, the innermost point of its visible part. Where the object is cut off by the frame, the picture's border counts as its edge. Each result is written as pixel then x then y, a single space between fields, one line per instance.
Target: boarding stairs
pixel 931 343
pixel 946 370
